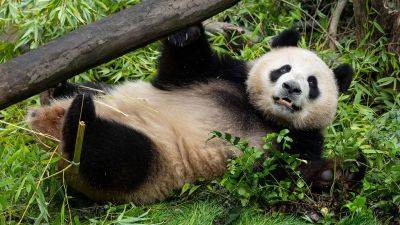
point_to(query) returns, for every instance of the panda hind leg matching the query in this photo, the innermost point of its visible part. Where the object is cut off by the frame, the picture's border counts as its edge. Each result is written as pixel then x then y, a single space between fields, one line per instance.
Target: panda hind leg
pixel 114 157
pixel 67 89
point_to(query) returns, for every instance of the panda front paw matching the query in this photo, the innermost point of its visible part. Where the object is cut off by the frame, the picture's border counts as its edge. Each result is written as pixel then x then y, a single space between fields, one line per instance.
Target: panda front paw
pixel 185 36
pixel 323 174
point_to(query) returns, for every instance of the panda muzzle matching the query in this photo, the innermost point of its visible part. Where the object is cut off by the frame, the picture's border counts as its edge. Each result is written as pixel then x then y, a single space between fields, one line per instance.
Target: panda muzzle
pixel 286 102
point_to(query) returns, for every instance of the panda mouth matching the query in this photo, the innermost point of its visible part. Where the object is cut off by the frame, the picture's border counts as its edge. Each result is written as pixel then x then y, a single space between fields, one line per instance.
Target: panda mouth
pixel 287 103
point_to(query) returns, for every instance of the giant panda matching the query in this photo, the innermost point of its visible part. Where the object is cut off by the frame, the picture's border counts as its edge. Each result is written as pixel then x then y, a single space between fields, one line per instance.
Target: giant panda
pixel 145 139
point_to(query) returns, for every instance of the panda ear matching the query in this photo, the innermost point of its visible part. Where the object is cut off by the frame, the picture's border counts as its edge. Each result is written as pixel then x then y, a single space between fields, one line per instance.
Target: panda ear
pixel 344 75
pixel 287 38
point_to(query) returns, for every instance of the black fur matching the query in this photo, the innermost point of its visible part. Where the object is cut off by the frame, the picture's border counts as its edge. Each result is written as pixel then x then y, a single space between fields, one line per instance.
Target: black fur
pixel 314 90
pixel 287 38
pixel 185 37
pixel 308 144
pixel 185 61
pixel 358 176
pixel 344 75
pixel 239 105
pixel 67 89
pixel 114 156
pixel 312 174
pixel 275 74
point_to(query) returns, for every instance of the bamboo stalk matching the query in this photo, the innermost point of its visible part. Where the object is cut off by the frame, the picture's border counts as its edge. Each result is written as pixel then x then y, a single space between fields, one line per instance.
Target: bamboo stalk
pixel 78 143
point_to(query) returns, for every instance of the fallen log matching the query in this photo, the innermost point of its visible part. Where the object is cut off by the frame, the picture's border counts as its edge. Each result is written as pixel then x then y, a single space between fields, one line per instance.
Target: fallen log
pixel 99 42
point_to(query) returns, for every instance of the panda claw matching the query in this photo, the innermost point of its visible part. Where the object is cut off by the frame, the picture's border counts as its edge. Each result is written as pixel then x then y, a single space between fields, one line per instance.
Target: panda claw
pixel 185 37
pixel 327 175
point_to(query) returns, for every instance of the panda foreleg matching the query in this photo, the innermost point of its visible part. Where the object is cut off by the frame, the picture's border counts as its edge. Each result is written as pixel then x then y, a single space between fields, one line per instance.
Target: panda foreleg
pixel 114 157
pixel 319 174
pixel 185 37
pixel 322 174
pixel 187 58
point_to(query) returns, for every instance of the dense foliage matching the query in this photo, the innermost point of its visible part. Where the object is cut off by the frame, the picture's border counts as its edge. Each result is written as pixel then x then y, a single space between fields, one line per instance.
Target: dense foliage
pixel 251 175
pixel 368 119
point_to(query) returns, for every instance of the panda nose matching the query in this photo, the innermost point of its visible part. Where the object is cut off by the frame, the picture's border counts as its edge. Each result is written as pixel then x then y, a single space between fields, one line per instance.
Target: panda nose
pixel 292 87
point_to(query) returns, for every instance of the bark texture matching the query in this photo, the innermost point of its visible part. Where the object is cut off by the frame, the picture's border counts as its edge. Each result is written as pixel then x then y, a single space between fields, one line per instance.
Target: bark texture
pixel 361 17
pixel 99 42
pixel 389 19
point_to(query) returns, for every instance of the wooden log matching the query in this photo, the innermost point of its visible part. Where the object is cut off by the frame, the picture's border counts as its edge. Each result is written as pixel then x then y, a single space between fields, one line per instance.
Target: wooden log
pixel 99 42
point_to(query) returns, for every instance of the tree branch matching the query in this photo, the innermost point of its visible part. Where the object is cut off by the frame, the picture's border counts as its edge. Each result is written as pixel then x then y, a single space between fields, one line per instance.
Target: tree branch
pixel 99 42
pixel 335 22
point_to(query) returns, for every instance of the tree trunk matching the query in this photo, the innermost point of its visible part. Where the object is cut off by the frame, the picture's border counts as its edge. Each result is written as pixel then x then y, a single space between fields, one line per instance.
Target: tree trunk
pixel 395 43
pixel 361 18
pixel 99 42
pixel 389 19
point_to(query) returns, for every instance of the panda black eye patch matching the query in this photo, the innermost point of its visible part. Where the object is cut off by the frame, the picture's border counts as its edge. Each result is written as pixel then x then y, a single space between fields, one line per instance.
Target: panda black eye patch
pixel 275 74
pixel 314 90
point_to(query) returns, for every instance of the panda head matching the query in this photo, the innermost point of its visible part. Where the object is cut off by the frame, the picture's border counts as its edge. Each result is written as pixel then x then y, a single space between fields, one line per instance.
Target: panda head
pixel 294 87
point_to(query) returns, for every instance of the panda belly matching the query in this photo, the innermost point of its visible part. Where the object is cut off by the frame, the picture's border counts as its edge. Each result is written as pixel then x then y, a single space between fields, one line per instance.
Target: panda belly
pixel 179 123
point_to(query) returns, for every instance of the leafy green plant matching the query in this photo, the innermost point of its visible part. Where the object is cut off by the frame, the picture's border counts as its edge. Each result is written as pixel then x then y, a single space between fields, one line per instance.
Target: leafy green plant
pixel 367 120
pixel 247 182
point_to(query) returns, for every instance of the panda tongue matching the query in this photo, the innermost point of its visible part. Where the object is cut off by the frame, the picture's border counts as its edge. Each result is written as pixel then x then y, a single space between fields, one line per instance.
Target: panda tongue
pixel 285 102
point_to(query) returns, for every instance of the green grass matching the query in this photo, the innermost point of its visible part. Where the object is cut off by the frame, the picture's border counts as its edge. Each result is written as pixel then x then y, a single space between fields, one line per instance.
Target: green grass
pixel 368 120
